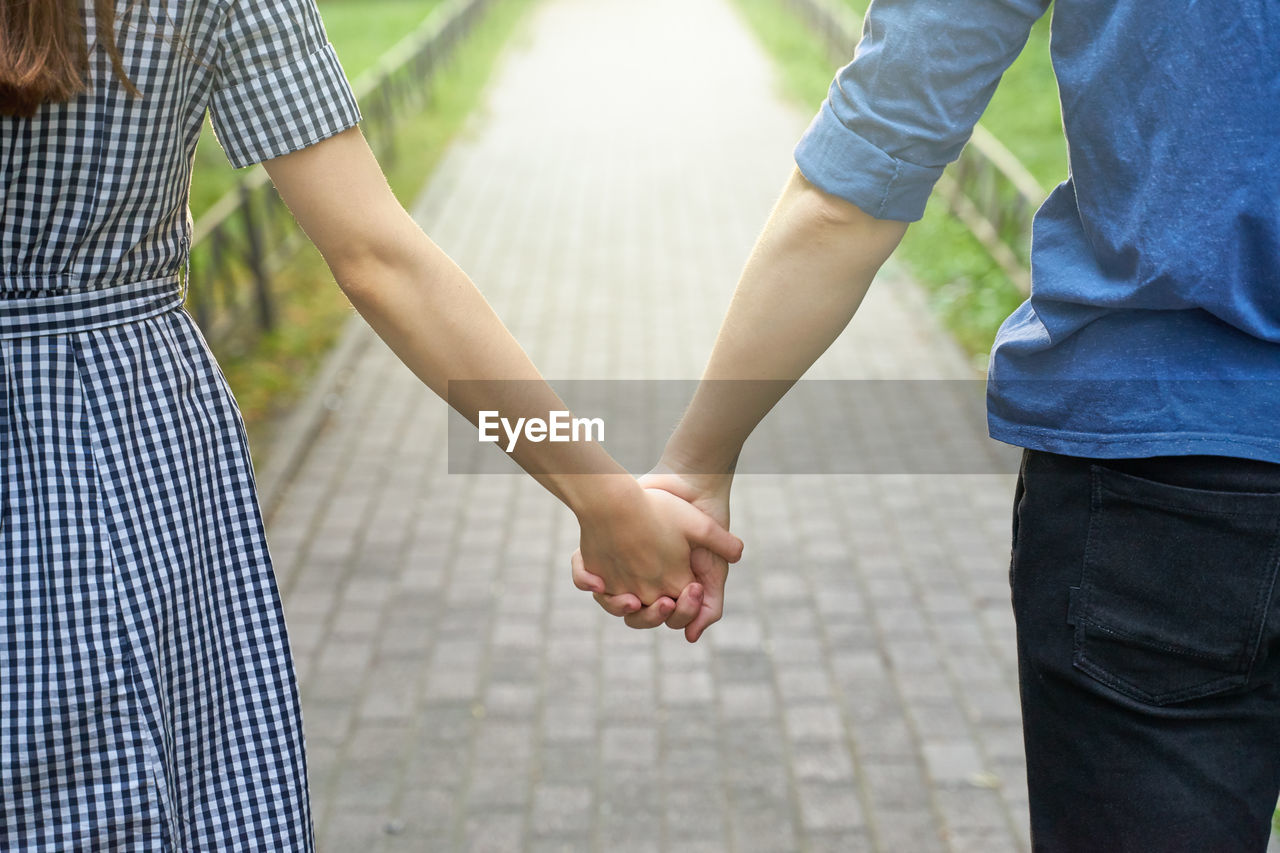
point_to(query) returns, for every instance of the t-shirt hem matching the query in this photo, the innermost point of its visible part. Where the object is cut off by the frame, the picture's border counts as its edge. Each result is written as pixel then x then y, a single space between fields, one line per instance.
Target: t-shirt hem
pixel 1133 445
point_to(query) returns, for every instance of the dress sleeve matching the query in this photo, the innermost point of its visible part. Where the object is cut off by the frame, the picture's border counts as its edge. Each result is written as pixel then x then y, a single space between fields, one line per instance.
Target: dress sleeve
pixel 906 105
pixel 280 86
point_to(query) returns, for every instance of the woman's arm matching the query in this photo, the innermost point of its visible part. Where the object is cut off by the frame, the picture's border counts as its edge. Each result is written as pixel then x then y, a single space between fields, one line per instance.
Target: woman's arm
pixel 433 317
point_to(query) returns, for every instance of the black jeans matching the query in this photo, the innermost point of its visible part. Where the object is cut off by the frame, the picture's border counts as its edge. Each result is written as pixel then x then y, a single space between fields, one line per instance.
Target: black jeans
pixel 1148 651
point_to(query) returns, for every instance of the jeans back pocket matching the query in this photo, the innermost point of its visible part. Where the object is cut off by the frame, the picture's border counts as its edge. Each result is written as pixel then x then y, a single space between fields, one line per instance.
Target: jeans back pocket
pixel 1176 586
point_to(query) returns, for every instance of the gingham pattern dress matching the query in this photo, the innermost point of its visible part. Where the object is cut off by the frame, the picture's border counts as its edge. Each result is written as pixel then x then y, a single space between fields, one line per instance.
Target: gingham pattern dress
pixel 147 698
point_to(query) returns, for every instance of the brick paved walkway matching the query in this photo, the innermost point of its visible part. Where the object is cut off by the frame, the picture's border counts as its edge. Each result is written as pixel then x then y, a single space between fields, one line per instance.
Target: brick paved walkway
pixel 459 694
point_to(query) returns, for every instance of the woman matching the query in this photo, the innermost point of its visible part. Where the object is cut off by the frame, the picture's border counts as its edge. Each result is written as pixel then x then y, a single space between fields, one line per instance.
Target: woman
pixel 147 698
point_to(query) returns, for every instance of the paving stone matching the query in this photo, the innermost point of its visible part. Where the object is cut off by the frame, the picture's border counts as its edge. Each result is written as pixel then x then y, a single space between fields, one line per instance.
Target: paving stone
pixel 561 809
pixel 352 830
pixel 630 704
pixel 748 701
pixel 800 684
pixel 366 785
pixel 938 717
pixel 811 722
pixel 437 767
pixel 823 762
pixel 493 833
pixel 886 737
pixel 628 796
pixel 327 723
pixel 430 812
pixel 762 832
pixel 496 785
pixel 562 722
pixel 625 839
pixel 628 746
pixel 856 841
pixel 952 761
pixel 563 844
pixel 567 762
pixel 515 699
pixel 894 784
pixel 751 667
pixel 982 841
pixel 689 688
pixel 912 829
pixel 695 814
pixel 973 811
pixel 692 764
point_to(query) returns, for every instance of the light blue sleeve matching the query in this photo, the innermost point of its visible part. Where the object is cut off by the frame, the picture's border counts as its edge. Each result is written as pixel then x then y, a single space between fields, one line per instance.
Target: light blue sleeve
pixel 921 76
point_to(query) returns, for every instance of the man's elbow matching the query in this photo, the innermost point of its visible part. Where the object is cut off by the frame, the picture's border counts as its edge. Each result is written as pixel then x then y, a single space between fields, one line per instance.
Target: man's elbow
pixel 822 219
pixel 824 209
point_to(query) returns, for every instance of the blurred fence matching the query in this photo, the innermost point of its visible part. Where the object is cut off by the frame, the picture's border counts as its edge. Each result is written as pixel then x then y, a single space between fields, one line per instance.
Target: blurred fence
pixel 988 188
pixel 247 236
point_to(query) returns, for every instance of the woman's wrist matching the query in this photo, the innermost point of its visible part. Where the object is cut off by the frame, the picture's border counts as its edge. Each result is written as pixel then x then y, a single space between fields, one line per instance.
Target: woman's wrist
pixel 599 497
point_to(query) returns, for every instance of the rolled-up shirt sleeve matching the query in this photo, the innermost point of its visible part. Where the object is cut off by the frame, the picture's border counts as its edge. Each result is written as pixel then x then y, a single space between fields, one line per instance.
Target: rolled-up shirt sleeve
pixel 280 86
pixel 923 72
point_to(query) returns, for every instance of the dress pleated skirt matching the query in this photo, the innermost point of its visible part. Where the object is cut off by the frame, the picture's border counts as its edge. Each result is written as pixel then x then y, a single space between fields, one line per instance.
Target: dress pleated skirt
pixel 147 696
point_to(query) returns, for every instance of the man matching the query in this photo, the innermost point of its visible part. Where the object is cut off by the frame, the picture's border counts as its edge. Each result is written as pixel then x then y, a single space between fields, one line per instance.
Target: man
pixel 1142 376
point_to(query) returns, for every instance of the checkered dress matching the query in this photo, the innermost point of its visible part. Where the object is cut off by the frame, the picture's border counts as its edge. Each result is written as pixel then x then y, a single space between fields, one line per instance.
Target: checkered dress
pixel 147 698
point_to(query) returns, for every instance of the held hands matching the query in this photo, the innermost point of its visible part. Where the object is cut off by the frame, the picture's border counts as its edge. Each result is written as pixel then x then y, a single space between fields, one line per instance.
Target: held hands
pixel 641 544
pixel 691 595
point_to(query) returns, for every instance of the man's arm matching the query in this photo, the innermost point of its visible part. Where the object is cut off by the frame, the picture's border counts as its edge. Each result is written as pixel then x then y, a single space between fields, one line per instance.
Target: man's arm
pixel 804 280
pixel 894 117
pixel 800 287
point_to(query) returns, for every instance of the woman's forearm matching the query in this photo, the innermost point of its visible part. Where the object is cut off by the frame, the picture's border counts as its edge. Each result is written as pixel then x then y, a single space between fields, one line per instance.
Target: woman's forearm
pixel 431 315
pixel 800 287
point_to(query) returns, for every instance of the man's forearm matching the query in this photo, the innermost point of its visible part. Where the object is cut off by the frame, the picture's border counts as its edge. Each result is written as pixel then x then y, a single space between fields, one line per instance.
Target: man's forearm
pixel 802 284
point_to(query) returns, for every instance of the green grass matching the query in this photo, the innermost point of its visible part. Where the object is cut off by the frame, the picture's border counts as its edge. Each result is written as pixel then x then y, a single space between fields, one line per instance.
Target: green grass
pixel 965 286
pixel 1025 113
pixel 806 71
pixel 361 31
pixel 268 380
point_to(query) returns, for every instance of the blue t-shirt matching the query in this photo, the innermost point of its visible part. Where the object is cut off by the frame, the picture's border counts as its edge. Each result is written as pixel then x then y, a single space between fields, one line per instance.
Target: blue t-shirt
pixel 1153 326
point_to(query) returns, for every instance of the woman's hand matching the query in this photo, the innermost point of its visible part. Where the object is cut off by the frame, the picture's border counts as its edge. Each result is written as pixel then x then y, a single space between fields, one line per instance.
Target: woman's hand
pixel 640 545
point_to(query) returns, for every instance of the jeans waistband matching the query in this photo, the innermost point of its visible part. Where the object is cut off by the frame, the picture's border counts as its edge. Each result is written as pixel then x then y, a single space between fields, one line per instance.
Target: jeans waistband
pixel 95 309
pixel 1213 473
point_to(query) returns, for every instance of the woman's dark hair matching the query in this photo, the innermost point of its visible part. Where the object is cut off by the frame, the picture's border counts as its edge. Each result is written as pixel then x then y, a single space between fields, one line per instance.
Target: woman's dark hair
pixel 44 55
